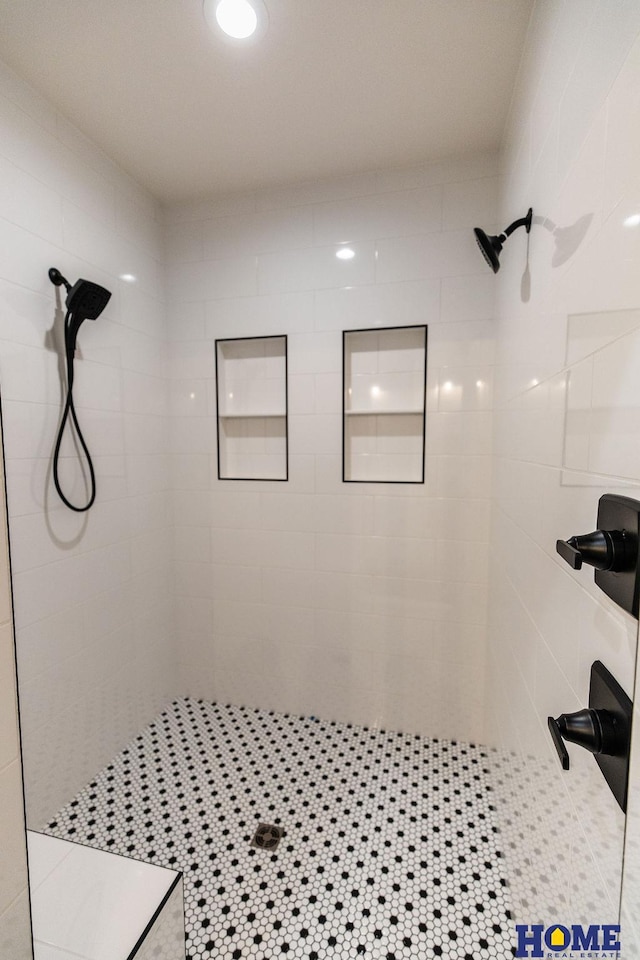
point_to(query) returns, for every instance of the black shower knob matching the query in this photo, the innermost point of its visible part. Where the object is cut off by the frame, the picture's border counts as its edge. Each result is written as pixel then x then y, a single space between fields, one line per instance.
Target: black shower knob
pixel 595 730
pixel 603 728
pixel 612 550
pixel 602 549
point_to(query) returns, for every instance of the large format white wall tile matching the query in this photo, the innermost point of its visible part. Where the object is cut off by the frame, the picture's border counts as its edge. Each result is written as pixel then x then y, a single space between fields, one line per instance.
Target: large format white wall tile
pixel 92 610
pixel 302 581
pixel 565 431
pixel 265 232
pixel 403 213
pixel 98 905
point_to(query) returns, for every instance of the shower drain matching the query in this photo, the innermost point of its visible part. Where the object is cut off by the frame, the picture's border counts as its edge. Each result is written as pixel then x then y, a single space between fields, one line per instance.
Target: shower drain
pixel 267 836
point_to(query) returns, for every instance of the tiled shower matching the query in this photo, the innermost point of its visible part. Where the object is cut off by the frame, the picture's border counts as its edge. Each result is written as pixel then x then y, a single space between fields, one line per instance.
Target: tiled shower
pixel 438 611
pixel 324 597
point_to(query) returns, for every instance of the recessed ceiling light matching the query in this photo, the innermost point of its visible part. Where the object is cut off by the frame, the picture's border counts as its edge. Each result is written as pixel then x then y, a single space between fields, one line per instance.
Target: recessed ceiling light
pixel 345 253
pixel 128 277
pixel 633 220
pixel 238 19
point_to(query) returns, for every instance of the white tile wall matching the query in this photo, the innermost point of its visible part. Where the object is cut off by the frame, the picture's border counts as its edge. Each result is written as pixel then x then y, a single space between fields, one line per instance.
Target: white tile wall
pixel 299 597
pixel 92 605
pixel 366 602
pixel 566 394
pixel 96 906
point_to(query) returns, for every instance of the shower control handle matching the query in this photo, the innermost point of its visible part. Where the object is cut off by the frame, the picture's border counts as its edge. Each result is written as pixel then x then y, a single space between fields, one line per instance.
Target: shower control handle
pixel 569 552
pixel 595 730
pixel 602 549
pixel 558 743
pixel 603 728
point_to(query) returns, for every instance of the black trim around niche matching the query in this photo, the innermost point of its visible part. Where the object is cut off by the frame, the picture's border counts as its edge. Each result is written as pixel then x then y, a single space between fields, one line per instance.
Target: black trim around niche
pixel 345 334
pixel 274 336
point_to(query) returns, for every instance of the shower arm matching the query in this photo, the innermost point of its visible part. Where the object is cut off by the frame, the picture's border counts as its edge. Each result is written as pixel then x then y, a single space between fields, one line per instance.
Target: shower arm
pixel 522 222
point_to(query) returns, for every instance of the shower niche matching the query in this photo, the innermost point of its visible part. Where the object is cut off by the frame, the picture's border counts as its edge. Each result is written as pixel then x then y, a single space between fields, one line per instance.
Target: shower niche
pixel 384 374
pixel 251 396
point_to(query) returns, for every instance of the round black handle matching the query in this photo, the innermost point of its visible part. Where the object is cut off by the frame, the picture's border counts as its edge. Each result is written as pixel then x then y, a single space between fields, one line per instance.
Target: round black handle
pixel 582 727
pixel 595 730
pixel 602 549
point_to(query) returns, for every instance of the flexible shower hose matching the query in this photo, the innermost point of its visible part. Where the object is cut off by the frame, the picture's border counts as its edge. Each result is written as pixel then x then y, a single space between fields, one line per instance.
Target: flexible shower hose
pixel 70 331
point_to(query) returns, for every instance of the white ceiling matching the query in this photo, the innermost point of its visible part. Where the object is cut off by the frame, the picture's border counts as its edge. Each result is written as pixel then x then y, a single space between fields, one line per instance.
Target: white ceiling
pixel 335 86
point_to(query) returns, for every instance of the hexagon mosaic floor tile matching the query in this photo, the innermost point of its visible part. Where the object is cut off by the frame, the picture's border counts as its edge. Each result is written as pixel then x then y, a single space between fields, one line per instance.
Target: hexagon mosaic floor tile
pixel 389 850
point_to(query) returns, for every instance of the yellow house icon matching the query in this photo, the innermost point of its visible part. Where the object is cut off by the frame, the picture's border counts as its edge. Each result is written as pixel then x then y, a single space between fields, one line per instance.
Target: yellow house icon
pixel 557 938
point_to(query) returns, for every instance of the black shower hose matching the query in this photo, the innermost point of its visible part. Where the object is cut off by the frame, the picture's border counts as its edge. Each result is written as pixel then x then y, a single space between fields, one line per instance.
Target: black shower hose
pixel 70 330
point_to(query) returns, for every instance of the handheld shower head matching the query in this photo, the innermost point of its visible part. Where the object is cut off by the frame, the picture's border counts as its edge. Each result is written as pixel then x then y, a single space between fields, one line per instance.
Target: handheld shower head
pixel 85 301
pixel 491 246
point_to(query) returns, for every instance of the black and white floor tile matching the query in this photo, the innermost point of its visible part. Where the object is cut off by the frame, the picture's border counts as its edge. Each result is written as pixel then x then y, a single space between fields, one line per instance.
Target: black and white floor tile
pixel 390 848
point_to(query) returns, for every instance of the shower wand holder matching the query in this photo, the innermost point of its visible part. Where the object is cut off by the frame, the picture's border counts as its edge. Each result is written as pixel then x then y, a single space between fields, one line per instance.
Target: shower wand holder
pixel 57 279
pixel 612 550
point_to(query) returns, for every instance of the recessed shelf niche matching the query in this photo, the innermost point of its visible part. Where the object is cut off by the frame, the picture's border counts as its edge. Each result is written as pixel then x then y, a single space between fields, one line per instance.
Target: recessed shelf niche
pixel 384 375
pixel 251 394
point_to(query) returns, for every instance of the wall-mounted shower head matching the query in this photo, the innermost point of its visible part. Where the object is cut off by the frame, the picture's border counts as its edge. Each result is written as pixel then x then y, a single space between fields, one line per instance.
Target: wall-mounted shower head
pixel 491 247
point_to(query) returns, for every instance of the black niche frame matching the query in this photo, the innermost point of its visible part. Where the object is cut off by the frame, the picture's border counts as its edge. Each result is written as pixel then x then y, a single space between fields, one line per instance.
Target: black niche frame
pixel 272 336
pixel 345 334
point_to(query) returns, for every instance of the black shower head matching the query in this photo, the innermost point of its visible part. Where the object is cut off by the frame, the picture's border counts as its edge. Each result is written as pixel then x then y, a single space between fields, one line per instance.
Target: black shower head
pixel 85 300
pixel 491 247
